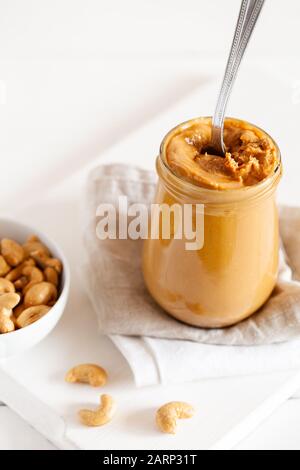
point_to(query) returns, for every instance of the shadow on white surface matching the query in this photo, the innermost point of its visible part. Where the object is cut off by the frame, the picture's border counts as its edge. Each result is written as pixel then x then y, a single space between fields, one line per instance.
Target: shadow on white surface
pixel 107 134
pixel 141 422
pixel 281 431
pixel 16 434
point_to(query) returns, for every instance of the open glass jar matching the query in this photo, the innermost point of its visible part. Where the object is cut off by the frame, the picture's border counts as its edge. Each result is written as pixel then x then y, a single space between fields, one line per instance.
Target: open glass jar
pixel 234 272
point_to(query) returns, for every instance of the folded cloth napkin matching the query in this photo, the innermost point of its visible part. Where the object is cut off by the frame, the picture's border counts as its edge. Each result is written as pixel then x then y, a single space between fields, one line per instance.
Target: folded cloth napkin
pixel 143 331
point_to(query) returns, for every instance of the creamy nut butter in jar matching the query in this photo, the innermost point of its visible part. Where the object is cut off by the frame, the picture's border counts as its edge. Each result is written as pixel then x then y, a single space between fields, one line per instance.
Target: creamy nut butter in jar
pixel 233 274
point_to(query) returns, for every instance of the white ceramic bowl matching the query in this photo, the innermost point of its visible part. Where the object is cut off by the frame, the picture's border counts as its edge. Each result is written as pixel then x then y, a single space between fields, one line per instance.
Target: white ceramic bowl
pixel 18 341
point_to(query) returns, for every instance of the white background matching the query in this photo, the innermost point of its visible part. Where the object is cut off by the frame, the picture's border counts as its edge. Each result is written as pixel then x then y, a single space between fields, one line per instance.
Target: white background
pixel 78 75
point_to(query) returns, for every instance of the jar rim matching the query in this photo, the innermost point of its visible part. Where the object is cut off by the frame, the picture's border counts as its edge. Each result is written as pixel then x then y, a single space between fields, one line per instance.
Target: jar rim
pixel 230 195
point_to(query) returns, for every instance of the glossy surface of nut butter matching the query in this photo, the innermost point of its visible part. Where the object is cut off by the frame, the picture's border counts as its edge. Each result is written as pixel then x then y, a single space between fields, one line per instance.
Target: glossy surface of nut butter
pixel 235 271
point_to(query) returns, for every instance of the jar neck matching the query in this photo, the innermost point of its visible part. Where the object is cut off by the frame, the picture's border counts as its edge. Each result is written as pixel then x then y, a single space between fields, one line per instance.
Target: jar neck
pixel 186 191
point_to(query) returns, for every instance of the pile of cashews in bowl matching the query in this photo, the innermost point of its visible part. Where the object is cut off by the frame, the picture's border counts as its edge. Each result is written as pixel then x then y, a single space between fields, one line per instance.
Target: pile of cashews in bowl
pixel 29 282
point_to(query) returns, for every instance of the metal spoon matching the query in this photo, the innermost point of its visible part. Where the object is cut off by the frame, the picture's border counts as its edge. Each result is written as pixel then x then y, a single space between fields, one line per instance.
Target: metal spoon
pixel 249 12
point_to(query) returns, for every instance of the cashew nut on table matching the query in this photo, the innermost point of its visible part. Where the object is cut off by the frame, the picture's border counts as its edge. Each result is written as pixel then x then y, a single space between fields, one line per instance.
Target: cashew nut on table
pixel 91 374
pixel 168 414
pixel 101 415
pixel 29 282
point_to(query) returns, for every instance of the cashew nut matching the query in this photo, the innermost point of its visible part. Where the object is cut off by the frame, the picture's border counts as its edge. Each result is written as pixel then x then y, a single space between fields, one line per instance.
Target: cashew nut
pixel 4 267
pixel 31 315
pixel 25 275
pixel 51 275
pixel 44 261
pixel 168 414
pixel 32 238
pixel 6 286
pixel 92 374
pixel 7 303
pixel 6 324
pixel 55 264
pixel 21 283
pixel 16 273
pixel 14 320
pixel 18 310
pixel 9 300
pixel 12 252
pixel 40 294
pixel 34 245
pixel 102 415
pixel 33 275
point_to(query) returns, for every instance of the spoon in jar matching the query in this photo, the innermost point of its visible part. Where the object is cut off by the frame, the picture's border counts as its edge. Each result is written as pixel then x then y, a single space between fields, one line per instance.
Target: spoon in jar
pixel 249 12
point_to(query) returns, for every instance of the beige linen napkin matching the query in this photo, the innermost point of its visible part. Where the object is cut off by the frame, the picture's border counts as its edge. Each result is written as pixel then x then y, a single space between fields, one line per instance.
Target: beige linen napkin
pixel 112 270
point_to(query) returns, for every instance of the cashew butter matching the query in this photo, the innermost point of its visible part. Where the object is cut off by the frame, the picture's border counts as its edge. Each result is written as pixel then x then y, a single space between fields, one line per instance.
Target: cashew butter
pixel 235 271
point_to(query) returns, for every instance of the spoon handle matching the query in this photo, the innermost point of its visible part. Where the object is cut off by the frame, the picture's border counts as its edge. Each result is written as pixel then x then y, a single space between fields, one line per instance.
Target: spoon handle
pixel 249 12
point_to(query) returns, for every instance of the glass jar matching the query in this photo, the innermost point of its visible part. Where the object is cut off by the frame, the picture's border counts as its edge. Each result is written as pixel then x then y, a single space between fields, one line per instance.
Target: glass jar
pixel 233 274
